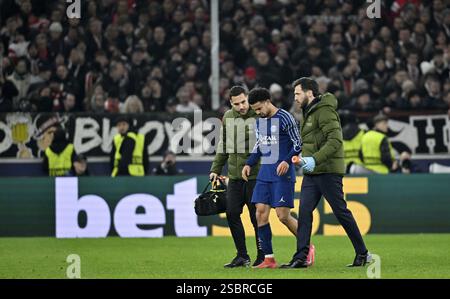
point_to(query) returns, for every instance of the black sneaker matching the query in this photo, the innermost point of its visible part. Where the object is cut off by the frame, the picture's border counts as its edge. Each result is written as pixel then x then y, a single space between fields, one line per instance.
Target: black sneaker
pixel 361 260
pixel 259 259
pixel 238 261
pixel 295 264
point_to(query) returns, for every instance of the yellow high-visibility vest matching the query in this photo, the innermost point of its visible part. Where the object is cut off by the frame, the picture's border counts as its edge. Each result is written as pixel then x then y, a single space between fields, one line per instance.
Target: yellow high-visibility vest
pixel 59 164
pixel 370 147
pixel 136 168
pixel 352 148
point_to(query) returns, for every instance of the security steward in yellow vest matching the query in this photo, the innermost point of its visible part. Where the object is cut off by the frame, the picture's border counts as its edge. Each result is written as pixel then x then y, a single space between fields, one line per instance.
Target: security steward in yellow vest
pixel 128 156
pixel 352 138
pixel 59 156
pixel 376 150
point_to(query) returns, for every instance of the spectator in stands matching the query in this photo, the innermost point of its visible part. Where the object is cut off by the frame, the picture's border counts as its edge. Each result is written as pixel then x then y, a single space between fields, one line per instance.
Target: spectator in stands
pixel 117 80
pixel 278 98
pixel 56 40
pixel 433 98
pixel 41 78
pixel 152 95
pixel 67 83
pixel 21 80
pixel 391 99
pixel 171 106
pixel 68 103
pixel 76 68
pixel 414 101
pixel 250 78
pixel 447 100
pixel 97 104
pixel 158 47
pixel 8 92
pixel 440 65
pixel 362 101
pixel 185 103
pixel 139 70
pixel 266 71
pixel 133 105
pixel 260 44
pixel 43 101
pixel 95 39
pixel 168 166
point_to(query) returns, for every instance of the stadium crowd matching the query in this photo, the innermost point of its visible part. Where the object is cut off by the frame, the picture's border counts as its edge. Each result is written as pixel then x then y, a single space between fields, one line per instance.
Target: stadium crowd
pixel 145 55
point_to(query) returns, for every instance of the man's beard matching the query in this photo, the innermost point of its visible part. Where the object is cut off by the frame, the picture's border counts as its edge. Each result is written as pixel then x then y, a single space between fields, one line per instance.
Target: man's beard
pixel 303 103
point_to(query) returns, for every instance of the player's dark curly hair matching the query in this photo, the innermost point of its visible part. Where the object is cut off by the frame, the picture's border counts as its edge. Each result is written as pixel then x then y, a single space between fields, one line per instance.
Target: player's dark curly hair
pixel 258 95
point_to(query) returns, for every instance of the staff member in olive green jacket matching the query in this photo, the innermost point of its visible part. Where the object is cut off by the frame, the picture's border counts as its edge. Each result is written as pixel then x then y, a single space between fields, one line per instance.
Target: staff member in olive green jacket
pixel 323 166
pixel 234 147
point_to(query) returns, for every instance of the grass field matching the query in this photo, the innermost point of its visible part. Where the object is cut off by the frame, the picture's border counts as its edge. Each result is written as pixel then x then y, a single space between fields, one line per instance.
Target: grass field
pixel 402 256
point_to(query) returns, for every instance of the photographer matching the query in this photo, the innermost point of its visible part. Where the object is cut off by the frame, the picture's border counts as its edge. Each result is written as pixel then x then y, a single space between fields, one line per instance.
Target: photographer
pixel 80 167
pixel 406 166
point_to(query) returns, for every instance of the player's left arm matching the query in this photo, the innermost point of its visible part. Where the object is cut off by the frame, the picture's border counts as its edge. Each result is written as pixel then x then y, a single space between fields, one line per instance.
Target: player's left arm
pixel 255 154
pixel 291 127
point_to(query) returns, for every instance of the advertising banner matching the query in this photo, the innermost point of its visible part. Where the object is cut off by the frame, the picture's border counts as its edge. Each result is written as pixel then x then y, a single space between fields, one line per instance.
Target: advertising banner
pixel 24 135
pixel 145 207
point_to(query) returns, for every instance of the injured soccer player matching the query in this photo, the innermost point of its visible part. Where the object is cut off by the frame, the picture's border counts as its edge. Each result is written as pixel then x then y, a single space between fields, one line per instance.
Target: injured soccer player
pixel 277 141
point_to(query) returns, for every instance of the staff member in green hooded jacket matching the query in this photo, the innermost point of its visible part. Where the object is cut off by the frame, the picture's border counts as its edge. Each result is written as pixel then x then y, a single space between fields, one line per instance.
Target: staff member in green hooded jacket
pixel 323 169
pixel 234 147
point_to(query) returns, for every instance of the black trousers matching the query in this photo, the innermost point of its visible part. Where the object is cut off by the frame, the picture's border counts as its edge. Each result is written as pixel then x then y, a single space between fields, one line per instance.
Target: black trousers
pixel 330 186
pixel 239 193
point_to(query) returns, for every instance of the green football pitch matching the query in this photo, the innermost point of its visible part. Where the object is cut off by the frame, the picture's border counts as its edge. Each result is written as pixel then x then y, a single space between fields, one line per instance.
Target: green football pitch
pixel 401 256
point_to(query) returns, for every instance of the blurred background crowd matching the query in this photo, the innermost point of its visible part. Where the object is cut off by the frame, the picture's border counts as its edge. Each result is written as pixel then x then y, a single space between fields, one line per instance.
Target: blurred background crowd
pixel 138 56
